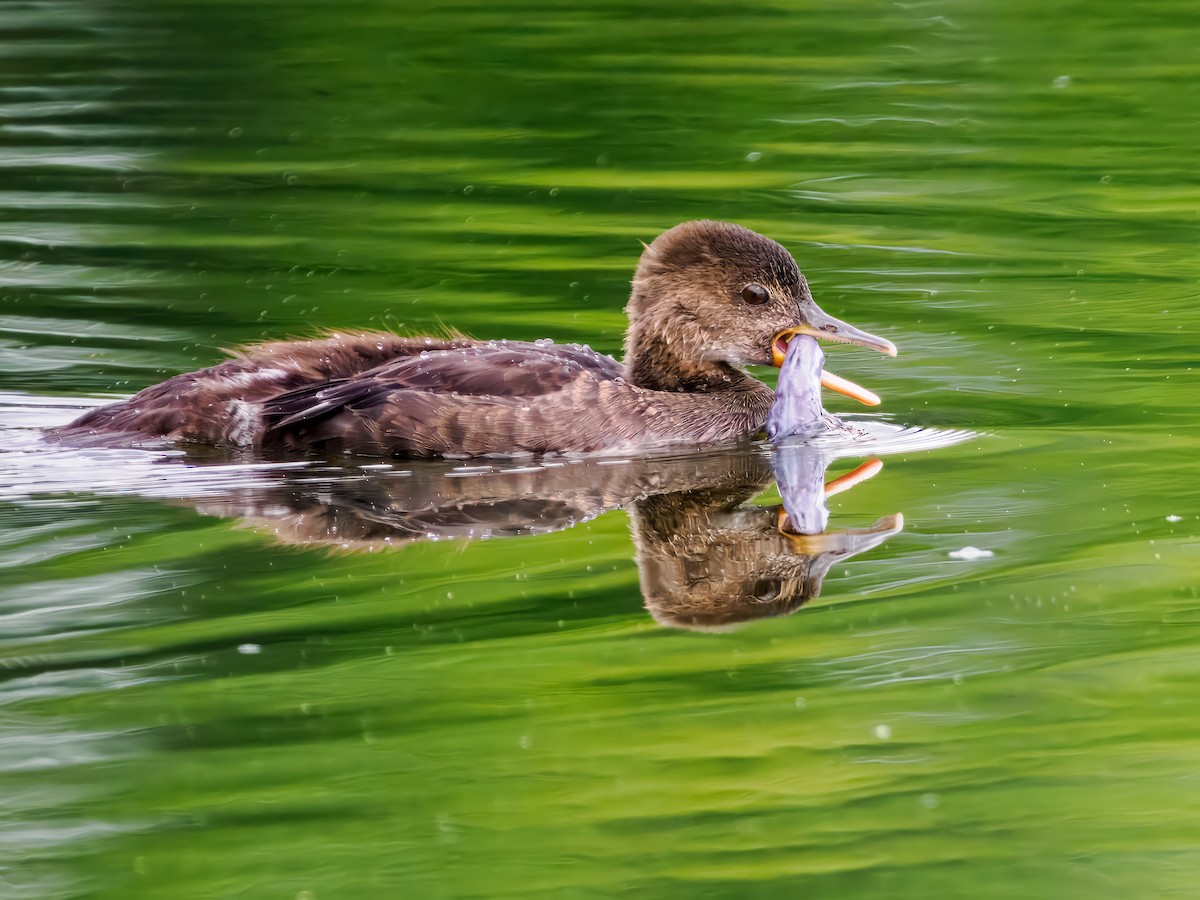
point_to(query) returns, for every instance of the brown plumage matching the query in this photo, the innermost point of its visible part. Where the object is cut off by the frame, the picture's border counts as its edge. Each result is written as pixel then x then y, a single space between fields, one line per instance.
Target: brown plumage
pixel 692 327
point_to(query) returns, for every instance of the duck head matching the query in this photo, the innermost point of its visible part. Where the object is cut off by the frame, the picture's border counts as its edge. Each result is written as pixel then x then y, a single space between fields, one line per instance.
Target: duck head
pixel 710 297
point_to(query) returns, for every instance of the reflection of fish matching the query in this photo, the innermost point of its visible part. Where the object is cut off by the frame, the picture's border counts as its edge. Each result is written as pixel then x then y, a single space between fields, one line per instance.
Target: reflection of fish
pixel 800 474
pixel 797 410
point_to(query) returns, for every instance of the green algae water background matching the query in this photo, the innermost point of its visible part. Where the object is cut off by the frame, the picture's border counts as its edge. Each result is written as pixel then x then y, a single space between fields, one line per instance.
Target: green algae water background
pixel 193 706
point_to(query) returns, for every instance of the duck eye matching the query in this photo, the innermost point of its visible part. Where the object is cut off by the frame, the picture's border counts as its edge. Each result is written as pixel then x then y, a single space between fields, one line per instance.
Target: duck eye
pixel 755 294
pixel 767 590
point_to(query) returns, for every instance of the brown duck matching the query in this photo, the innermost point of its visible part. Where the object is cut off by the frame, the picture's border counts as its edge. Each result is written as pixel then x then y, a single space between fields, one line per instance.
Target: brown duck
pixel 707 299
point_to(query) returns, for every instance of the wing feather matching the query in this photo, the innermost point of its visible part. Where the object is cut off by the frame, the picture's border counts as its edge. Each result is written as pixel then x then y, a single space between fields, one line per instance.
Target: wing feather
pixel 460 399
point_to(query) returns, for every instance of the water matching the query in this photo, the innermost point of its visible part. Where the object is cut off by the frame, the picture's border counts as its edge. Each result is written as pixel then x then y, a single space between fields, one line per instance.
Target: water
pixel 211 690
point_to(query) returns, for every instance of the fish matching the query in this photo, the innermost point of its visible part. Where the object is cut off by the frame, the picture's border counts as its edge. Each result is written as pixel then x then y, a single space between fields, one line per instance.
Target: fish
pixel 797 409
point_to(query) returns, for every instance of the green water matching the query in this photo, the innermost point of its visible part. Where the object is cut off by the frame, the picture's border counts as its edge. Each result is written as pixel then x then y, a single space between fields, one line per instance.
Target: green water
pixel 201 699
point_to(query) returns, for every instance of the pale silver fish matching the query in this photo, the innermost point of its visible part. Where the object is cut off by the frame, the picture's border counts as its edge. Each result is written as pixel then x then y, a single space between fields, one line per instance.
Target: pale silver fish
pixel 797 410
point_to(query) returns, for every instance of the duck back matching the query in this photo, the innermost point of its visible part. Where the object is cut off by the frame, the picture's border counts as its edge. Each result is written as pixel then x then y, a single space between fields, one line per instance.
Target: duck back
pixel 385 395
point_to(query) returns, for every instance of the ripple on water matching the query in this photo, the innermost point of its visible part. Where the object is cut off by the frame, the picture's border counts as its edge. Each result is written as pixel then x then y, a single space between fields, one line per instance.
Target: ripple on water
pixel 874 437
pixel 31 466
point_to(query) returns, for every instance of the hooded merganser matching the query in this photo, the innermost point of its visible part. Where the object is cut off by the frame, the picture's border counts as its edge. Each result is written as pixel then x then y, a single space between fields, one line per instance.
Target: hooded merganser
pixel 708 298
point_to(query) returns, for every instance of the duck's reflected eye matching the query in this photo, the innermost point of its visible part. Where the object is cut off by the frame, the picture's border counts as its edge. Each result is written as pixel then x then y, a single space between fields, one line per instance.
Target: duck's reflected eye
pixel 767 589
pixel 755 294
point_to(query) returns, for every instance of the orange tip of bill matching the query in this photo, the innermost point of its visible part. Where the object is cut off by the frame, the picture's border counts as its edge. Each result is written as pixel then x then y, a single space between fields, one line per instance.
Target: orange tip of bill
pixel 849 388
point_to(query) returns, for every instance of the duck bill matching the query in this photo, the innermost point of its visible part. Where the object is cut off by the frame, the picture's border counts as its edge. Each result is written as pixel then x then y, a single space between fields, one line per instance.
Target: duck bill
pixel 825 327
pixel 849 389
pixel 842 385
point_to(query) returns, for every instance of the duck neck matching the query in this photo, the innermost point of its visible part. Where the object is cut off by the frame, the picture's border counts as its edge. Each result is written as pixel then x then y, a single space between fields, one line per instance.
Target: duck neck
pixel 654 362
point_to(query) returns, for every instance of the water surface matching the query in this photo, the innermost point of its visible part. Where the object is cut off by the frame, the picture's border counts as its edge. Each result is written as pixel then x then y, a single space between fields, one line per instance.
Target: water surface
pixel 198 703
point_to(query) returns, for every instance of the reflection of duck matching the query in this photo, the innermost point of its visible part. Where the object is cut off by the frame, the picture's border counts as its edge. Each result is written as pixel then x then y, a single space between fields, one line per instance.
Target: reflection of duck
pixel 705 558
pixel 707 298
pixel 708 562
